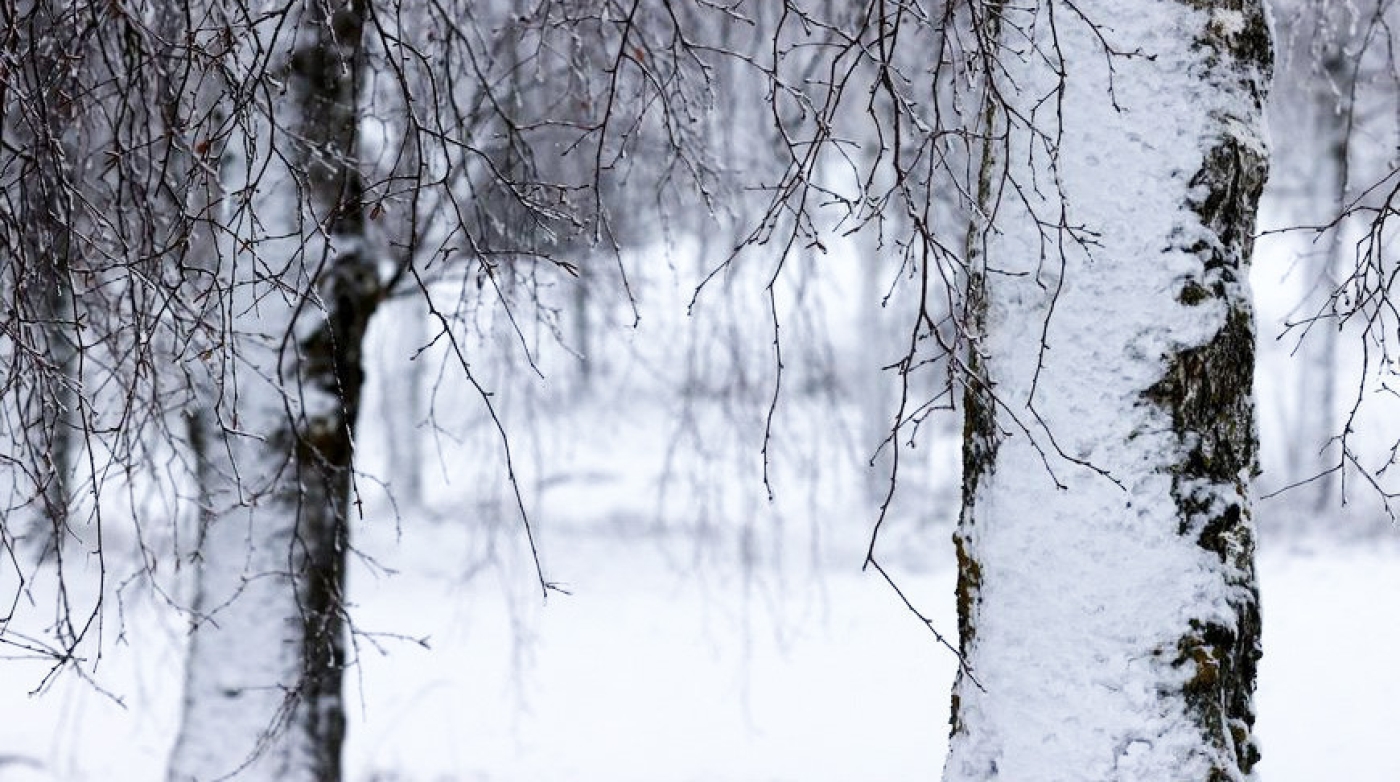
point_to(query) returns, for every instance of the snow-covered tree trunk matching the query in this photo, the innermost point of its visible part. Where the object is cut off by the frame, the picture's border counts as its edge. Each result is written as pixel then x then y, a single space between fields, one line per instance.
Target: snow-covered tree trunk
pixel 263 678
pixel 1107 602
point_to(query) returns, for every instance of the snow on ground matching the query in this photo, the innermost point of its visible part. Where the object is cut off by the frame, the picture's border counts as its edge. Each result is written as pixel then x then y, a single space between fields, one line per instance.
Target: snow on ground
pixel 1329 695
pixel 685 655
pixel 647 672
pixel 652 673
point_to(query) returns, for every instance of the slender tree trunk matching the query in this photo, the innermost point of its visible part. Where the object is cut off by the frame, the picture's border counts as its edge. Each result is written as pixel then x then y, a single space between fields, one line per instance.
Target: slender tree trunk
pixel 1314 452
pixel 1108 611
pixel 401 399
pixel 263 691
pixel 581 308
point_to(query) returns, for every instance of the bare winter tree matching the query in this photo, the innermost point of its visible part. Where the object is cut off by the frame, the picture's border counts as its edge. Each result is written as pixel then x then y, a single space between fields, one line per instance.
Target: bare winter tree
pixel 1314 52
pixel 458 168
pixel 300 283
pixel 1111 156
pixel 238 230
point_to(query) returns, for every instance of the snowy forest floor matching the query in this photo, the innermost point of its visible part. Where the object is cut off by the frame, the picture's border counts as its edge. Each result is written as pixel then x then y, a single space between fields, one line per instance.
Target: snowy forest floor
pixel 652 671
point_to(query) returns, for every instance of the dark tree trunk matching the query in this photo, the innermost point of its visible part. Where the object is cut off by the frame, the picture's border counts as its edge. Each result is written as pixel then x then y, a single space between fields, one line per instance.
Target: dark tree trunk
pixel 269 646
pixel 325 81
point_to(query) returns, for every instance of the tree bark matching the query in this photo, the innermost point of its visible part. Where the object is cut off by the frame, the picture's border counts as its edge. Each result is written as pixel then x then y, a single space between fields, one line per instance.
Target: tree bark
pixel 1108 610
pixel 264 671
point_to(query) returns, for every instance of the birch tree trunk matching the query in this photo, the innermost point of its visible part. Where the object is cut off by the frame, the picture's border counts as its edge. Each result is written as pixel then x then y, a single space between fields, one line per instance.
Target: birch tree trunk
pixel 1315 452
pixel 1108 610
pixel 263 678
